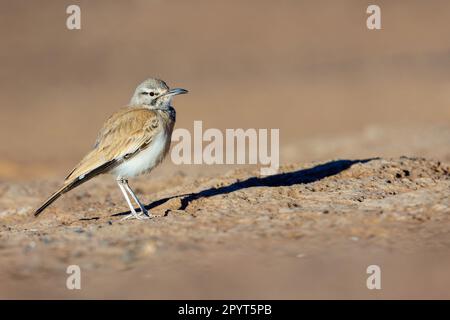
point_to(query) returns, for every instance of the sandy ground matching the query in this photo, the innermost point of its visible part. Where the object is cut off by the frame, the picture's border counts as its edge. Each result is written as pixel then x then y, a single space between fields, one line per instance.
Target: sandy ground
pixel 364 146
pixel 308 232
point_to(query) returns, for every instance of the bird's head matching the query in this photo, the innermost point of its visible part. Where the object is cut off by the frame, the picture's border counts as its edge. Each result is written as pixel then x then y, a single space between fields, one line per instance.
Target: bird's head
pixel 155 94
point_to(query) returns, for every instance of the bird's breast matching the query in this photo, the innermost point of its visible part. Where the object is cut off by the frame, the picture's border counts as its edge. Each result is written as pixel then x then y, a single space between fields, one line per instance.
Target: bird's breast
pixel 146 159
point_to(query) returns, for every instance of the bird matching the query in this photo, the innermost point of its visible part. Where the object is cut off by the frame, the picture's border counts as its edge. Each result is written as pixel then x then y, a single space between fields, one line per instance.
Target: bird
pixel 132 142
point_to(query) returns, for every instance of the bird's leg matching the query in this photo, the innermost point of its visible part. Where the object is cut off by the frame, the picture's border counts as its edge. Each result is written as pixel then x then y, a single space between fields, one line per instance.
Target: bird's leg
pixel 130 191
pixel 133 213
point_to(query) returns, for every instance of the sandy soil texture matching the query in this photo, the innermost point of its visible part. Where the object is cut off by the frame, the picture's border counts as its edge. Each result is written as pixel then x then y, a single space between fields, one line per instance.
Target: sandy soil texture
pixel 364 150
pixel 240 235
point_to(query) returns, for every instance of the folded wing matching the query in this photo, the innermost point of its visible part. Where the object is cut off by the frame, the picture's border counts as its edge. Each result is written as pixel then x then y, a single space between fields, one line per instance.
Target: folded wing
pixel 123 135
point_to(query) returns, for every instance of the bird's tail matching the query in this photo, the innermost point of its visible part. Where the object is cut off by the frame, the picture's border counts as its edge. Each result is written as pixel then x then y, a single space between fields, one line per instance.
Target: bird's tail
pixel 69 185
pixel 52 198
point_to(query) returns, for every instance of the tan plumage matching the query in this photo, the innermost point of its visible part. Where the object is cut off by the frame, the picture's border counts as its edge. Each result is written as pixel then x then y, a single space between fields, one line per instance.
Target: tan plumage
pixel 126 132
pixel 132 141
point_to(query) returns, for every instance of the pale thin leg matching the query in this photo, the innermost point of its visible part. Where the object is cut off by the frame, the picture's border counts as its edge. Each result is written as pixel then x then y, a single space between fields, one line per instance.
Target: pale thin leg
pixel 133 213
pixel 130 191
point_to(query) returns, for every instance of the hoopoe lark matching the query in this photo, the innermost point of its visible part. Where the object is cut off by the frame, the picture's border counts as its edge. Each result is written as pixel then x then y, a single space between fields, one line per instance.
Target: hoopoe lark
pixel 132 141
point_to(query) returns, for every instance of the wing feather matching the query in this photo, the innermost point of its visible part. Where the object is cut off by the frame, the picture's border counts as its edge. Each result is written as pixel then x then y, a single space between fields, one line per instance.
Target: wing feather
pixel 124 134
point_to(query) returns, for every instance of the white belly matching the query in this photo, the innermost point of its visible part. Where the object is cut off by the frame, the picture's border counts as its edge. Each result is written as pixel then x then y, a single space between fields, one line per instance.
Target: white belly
pixel 145 160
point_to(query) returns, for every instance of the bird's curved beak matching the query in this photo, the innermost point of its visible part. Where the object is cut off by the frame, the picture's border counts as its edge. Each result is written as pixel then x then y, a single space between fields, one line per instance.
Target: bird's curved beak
pixel 176 91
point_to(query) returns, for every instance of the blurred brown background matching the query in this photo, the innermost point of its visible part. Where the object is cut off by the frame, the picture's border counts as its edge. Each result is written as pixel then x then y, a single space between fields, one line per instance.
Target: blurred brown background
pixel 310 68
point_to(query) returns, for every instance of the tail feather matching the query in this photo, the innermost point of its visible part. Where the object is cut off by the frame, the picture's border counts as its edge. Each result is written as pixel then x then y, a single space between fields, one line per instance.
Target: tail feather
pixel 50 200
pixel 75 183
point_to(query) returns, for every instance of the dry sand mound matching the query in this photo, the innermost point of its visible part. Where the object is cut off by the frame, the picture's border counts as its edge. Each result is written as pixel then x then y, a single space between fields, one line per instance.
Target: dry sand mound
pixel 374 206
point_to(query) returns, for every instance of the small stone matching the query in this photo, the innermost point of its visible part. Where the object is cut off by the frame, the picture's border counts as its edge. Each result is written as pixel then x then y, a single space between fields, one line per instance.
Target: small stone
pixel 30 246
pixel 148 249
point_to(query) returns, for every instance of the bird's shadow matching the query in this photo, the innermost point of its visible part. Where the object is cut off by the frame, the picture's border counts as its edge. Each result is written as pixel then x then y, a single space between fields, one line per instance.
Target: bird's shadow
pixel 303 176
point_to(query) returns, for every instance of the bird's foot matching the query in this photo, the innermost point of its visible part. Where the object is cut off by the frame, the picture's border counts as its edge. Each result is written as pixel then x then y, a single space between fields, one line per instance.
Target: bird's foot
pixel 142 215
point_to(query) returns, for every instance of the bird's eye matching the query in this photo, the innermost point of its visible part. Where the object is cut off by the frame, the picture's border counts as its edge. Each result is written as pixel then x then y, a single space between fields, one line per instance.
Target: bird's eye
pixel 152 94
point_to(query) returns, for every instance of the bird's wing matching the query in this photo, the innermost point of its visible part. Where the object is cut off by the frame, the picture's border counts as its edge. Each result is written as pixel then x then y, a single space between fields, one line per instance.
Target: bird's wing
pixel 124 134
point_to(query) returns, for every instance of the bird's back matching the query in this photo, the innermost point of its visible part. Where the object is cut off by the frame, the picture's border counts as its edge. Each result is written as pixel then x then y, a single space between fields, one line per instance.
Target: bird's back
pixel 124 134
